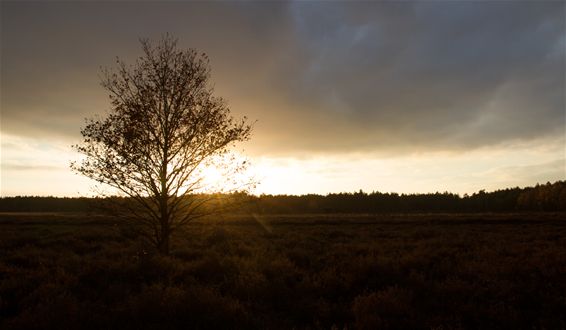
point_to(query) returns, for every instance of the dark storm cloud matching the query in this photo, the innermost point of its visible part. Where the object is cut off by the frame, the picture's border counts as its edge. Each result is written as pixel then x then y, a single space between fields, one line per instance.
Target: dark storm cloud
pixel 52 52
pixel 436 73
pixel 318 76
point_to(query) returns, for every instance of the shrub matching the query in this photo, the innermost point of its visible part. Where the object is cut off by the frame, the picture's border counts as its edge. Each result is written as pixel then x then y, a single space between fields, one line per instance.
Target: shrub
pixel 387 309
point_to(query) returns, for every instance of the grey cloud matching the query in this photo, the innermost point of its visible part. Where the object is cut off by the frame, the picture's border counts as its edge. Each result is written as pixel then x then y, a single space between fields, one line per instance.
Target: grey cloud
pixel 319 76
pixel 431 70
pixel 52 52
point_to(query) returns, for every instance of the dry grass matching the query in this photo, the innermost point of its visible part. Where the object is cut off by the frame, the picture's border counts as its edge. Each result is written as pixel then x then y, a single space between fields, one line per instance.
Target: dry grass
pixel 70 271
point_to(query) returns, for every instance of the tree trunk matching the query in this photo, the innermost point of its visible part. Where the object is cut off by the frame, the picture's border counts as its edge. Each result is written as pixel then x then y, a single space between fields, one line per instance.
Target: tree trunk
pixel 164 242
pixel 165 227
pixel 164 208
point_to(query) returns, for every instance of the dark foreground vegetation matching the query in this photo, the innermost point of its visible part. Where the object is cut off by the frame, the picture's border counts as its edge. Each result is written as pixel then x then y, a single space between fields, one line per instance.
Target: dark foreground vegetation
pixel 441 271
pixel 549 197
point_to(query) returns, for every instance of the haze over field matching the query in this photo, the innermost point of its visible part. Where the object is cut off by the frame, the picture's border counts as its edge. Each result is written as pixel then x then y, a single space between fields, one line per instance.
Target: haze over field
pixel 407 97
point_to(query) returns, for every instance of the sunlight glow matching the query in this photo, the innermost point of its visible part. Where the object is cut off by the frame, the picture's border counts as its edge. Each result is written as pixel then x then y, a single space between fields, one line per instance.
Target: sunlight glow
pixel 224 174
pixel 212 176
pixel 32 167
pixel 490 169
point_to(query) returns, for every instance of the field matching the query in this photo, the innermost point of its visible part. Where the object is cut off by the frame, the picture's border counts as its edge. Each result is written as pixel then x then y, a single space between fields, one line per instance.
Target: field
pixel 435 271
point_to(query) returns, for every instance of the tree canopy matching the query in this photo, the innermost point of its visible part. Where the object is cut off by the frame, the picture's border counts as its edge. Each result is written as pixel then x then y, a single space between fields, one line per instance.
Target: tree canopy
pixel 165 125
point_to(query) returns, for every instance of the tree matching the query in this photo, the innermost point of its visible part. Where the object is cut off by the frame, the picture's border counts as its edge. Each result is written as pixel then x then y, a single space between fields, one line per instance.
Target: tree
pixel 163 127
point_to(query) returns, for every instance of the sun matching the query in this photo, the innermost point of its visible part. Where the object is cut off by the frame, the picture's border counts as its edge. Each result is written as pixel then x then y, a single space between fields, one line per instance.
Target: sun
pixel 225 174
pixel 212 177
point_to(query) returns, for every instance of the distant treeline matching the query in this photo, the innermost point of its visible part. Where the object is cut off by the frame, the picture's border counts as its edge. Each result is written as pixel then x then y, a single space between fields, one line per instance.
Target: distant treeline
pixel 545 197
pixel 47 204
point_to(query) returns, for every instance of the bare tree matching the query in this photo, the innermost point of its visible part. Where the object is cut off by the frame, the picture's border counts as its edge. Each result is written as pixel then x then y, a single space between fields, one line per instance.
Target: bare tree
pixel 163 127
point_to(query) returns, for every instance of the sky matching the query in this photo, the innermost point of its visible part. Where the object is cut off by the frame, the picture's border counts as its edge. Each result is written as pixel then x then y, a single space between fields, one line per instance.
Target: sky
pixel 407 96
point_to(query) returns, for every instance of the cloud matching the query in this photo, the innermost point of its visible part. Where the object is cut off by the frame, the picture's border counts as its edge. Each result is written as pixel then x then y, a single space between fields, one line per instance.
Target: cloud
pixel 25 167
pixel 434 74
pixel 320 77
pixel 538 173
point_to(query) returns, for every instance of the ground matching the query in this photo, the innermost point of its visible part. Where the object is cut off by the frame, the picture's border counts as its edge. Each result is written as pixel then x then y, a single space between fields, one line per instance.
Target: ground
pixel 435 271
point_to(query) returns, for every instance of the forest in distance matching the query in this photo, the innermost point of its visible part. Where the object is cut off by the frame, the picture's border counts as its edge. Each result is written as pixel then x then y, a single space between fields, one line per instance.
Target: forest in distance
pixel 549 197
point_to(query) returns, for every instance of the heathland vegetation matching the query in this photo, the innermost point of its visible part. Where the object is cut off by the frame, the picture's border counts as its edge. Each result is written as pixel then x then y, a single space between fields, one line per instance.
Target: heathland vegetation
pixel 436 271
pixel 355 261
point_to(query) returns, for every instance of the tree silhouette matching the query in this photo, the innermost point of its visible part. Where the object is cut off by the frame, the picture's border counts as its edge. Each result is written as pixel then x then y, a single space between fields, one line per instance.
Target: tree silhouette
pixel 164 126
